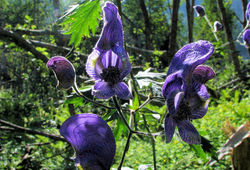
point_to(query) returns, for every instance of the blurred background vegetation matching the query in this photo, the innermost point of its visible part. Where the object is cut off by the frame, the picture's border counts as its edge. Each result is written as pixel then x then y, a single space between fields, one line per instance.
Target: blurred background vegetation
pixel 31 32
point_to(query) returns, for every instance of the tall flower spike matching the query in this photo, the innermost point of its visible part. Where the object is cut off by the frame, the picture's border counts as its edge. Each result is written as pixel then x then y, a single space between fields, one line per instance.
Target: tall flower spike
pixel 246 38
pixel 199 10
pixel 92 140
pixel 218 26
pixel 64 72
pixel 185 92
pixel 109 64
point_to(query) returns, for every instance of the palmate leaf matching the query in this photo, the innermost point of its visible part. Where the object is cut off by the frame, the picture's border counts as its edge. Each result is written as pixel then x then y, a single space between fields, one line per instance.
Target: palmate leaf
pixel 84 18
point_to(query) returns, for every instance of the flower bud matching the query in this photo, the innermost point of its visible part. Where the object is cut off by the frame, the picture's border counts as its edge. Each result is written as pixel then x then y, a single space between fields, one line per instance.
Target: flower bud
pixel 63 70
pixel 199 10
pixel 218 26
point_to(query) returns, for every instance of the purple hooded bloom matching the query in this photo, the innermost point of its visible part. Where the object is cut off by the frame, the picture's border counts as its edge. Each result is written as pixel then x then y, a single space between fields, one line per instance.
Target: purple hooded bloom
pixel 63 70
pixel 92 139
pixel 248 12
pixel 218 26
pixel 199 10
pixel 185 92
pixel 108 64
pixel 246 38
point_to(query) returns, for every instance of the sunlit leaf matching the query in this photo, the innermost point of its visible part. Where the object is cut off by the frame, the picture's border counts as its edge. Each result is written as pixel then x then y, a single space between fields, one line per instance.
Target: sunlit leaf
pixel 83 18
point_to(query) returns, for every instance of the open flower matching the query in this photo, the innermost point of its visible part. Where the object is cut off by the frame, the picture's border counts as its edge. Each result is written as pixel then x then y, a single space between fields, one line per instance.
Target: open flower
pixel 185 92
pixel 246 38
pixel 199 10
pixel 109 64
pixel 92 140
pixel 63 70
pixel 218 26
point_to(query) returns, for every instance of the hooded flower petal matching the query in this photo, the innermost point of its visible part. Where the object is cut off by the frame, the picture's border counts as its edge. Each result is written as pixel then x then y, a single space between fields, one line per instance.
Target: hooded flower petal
pixel 189 57
pixel 170 125
pixel 188 132
pixel 64 71
pixel 103 90
pixel 112 33
pixel 246 38
pixel 122 91
pixel 92 140
pixel 199 10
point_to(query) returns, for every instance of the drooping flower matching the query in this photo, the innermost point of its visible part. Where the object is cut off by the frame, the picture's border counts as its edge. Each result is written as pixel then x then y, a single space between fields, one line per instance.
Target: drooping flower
pixel 248 12
pixel 185 92
pixel 109 64
pixel 199 10
pixel 218 26
pixel 92 140
pixel 64 72
pixel 246 38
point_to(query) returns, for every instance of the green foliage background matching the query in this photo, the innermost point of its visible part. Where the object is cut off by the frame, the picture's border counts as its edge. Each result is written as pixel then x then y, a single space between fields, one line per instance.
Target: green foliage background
pixel 28 96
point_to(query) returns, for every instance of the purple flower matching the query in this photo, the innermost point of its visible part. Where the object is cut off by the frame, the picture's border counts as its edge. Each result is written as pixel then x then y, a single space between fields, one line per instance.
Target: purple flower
pixel 185 92
pixel 248 12
pixel 63 70
pixel 92 140
pixel 246 38
pixel 199 10
pixel 218 26
pixel 108 64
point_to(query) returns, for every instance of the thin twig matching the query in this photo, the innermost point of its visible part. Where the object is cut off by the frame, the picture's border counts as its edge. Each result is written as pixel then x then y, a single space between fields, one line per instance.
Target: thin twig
pixel 89 100
pixel 149 99
pixel 212 29
pixel 152 140
pixel 125 150
pixel 30 131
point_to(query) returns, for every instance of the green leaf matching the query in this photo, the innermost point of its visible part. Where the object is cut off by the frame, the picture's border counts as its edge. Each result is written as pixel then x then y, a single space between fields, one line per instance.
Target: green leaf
pixel 84 18
pixel 199 151
pixel 119 129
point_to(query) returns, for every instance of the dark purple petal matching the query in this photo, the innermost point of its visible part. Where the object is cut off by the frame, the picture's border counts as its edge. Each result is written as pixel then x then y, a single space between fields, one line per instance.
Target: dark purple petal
pixel 199 10
pixel 218 26
pixel 188 132
pixel 203 93
pixel 203 73
pixel 246 38
pixel 112 33
pixel 64 71
pixel 198 111
pixel 126 65
pixel 91 68
pixel 122 91
pixel 248 12
pixel 103 90
pixel 92 139
pixel 173 83
pixel 170 125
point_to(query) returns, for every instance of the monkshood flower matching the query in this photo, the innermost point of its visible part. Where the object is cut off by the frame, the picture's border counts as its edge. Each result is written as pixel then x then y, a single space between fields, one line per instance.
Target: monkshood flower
pixel 246 38
pixel 199 10
pixel 92 140
pixel 109 64
pixel 248 12
pixel 64 72
pixel 218 26
pixel 185 92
